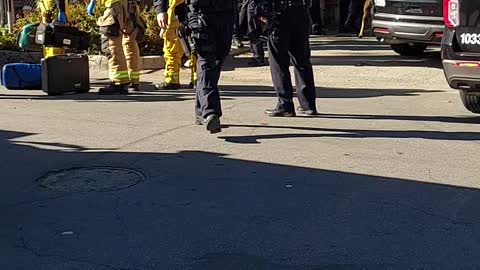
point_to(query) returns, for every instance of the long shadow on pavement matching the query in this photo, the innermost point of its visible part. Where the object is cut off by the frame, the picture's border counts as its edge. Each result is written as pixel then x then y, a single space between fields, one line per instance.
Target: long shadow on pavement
pixel 431 60
pixel 148 94
pixel 226 91
pixel 350 45
pixel 349 133
pixel 322 92
pixel 202 210
pixel 424 118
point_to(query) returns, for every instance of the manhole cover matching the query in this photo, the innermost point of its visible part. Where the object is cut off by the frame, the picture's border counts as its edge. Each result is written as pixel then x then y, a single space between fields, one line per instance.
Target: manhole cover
pixel 94 179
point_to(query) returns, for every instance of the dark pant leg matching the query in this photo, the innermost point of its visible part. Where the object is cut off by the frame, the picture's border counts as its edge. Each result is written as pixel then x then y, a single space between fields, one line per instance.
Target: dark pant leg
pixel 243 17
pixel 278 45
pixel 223 40
pixel 257 50
pixel 256 45
pixel 355 14
pixel 211 55
pixel 300 55
pixel 207 95
pixel 236 19
pixel 344 7
pixel 316 13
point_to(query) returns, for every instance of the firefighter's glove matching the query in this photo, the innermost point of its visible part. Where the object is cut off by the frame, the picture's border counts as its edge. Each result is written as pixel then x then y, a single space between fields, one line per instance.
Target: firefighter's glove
pixel 62 17
pixel 91 8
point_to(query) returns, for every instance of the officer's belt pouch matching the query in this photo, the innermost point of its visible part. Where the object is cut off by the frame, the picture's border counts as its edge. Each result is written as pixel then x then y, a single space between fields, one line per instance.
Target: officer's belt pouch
pixel 109 25
pixel 198 25
pixel 51 35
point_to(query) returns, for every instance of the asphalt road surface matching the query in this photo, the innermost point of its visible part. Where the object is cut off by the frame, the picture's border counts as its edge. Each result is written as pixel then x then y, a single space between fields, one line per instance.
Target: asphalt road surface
pixel 386 177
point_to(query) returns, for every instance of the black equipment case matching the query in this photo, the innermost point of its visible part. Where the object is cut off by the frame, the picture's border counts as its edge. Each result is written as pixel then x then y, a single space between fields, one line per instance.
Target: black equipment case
pixel 65 73
pixel 51 35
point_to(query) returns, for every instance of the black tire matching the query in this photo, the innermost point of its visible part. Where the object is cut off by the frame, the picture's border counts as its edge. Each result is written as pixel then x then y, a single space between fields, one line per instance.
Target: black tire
pixel 406 49
pixel 471 102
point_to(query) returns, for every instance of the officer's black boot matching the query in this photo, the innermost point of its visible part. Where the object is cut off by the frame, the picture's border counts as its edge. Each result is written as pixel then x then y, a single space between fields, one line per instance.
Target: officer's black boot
pixel 310 112
pixel 237 43
pixel 280 113
pixel 316 29
pixel 212 123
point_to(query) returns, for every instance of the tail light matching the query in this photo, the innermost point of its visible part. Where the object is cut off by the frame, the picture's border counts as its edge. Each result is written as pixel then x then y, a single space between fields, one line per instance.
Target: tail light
pixel 467 64
pixel 381 30
pixel 451 13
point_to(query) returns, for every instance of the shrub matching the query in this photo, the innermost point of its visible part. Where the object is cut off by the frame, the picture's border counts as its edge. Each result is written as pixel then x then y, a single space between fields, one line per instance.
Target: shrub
pixel 7 41
pixel 152 44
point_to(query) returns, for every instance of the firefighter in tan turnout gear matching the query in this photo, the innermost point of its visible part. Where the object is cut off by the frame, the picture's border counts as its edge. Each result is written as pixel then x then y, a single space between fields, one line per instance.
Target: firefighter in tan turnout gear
pixel 173 51
pixel 120 26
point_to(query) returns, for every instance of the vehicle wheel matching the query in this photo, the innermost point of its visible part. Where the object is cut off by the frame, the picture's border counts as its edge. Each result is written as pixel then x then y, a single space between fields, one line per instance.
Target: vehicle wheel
pixel 406 49
pixel 471 102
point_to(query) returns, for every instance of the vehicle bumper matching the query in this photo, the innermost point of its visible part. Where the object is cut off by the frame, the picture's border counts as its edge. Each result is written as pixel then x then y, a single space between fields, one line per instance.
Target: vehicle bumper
pixel 396 29
pixel 463 78
pixel 460 77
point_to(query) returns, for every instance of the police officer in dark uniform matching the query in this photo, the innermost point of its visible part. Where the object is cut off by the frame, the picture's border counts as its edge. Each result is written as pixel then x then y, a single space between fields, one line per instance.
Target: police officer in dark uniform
pixel 289 42
pixel 237 31
pixel 211 23
pixel 248 17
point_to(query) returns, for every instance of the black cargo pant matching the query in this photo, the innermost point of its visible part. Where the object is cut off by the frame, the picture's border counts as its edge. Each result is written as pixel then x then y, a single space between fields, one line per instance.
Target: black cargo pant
pixel 355 13
pixel 247 15
pixel 289 43
pixel 211 53
pixel 237 31
pixel 316 13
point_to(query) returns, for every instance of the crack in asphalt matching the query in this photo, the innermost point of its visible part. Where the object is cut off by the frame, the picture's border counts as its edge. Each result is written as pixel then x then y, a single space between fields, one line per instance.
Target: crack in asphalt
pixel 153 135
